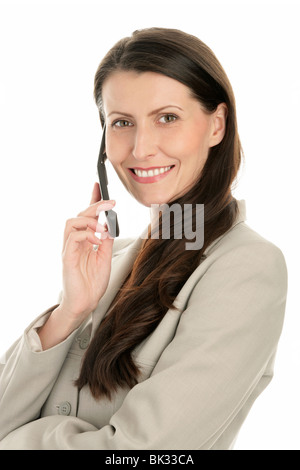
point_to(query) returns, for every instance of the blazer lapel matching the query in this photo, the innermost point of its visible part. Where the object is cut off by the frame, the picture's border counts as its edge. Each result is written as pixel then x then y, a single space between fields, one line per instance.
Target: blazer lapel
pixel 122 263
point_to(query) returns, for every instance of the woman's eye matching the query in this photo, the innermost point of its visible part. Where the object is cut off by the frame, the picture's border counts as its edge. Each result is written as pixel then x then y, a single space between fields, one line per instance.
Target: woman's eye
pixel 121 123
pixel 167 118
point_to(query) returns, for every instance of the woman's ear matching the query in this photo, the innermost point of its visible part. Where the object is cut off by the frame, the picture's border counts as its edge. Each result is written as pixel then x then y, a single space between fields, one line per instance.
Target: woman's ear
pixel 218 124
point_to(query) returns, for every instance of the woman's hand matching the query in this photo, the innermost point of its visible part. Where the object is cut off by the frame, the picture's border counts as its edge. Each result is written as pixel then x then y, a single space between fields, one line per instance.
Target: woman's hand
pixel 86 271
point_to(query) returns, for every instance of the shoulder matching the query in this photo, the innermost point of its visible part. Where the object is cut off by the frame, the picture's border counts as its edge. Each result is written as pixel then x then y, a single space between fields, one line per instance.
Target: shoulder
pixel 241 283
pixel 243 247
pixel 241 267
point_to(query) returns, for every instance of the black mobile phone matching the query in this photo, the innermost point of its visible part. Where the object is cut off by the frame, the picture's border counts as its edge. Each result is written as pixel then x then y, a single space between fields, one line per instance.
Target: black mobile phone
pixel 111 216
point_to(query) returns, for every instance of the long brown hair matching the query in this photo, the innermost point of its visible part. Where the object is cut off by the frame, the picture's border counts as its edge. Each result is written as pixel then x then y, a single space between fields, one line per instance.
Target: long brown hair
pixel 163 266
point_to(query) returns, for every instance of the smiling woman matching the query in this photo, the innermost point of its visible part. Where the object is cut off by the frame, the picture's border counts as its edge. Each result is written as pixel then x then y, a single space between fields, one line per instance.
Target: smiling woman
pixel 153 345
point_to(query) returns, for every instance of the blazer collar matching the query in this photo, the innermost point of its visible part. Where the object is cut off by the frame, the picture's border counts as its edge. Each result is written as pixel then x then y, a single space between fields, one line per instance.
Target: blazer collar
pixel 241 217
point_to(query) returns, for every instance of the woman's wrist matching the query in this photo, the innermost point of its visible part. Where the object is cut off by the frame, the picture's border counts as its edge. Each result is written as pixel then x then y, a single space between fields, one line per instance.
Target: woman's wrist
pixel 57 328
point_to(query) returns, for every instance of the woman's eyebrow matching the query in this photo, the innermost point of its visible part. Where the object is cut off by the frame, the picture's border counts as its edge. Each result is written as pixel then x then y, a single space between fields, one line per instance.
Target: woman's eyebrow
pixel 155 111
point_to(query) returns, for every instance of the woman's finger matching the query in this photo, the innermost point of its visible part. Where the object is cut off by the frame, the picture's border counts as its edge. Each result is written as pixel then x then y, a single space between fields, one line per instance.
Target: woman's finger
pixel 94 209
pixel 82 223
pixel 74 240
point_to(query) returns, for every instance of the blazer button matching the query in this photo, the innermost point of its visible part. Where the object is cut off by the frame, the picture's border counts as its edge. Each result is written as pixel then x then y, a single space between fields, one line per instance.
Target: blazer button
pixel 84 342
pixel 64 408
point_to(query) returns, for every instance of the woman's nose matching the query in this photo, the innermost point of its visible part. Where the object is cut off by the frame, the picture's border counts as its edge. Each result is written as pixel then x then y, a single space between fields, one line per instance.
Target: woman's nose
pixel 144 144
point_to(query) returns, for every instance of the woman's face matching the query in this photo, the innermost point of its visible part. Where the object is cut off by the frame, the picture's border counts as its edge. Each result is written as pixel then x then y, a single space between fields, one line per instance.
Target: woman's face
pixel 157 136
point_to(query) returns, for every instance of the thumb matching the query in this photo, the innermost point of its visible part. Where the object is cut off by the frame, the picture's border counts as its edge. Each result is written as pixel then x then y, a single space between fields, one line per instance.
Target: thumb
pixel 96 195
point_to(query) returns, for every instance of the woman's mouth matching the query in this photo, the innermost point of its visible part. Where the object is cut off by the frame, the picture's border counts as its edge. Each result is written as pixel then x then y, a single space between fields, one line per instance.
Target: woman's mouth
pixel 150 175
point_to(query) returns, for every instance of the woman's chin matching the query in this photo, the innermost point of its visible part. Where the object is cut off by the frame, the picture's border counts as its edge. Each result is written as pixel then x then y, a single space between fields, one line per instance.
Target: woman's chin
pixel 153 201
pixel 148 200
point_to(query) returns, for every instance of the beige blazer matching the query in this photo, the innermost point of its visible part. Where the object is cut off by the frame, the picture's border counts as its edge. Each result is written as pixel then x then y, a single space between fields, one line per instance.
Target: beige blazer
pixel 203 366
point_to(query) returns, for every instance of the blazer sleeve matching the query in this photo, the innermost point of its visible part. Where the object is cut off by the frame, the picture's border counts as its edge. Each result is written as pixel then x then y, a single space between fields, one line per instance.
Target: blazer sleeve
pixel 219 360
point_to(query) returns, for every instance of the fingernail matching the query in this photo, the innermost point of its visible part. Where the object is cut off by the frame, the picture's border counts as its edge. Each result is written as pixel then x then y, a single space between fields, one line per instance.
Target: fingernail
pixel 105 206
pixel 106 234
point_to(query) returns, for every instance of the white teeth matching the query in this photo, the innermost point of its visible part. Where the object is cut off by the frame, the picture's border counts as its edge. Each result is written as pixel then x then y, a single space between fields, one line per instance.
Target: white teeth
pixel 146 174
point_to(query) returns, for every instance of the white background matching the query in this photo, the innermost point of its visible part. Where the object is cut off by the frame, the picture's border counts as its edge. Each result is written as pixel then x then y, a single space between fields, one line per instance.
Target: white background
pixel 50 135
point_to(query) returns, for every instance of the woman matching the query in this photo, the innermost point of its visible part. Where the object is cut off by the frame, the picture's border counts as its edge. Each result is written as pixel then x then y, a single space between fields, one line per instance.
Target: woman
pixel 152 345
